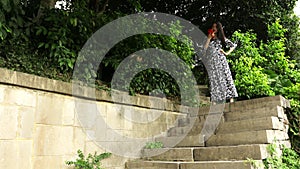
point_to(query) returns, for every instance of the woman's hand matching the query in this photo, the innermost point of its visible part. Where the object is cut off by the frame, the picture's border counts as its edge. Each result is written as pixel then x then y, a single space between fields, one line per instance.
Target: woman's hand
pixel 225 53
pixel 210 36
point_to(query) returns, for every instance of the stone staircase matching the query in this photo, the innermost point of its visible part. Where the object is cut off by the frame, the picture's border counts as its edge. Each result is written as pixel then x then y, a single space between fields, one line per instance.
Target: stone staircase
pixel 244 131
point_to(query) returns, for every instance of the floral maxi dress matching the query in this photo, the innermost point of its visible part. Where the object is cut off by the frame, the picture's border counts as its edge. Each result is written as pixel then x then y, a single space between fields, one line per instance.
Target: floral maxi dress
pixel 221 83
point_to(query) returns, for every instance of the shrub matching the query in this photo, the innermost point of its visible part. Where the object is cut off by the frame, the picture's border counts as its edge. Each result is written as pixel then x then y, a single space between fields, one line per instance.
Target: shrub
pixel 154 145
pixel 288 160
pixel 89 162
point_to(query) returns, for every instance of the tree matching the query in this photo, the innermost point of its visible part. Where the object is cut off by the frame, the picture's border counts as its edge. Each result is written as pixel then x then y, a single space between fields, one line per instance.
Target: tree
pixel 236 15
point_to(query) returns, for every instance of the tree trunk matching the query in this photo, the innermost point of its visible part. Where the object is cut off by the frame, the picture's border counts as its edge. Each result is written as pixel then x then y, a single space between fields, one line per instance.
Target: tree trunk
pixel 96 5
pixel 48 3
pixel 43 5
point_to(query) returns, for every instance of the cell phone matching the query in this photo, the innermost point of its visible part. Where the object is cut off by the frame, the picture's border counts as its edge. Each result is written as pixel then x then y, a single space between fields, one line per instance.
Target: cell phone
pixel 210 31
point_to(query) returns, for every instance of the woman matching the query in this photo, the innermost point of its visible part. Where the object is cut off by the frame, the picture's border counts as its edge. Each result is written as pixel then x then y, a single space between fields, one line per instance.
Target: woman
pixel 221 82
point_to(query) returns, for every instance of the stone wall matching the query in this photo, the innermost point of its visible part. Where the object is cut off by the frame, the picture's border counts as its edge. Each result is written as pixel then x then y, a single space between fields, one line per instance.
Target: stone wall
pixel 40 127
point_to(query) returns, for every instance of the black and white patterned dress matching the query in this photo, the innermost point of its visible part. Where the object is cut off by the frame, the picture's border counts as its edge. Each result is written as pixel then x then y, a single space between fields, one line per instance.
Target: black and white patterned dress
pixel 221 83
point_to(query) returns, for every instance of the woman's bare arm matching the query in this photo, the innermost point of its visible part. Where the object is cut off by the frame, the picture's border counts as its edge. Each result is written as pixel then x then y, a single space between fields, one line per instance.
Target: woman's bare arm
pixel 207 41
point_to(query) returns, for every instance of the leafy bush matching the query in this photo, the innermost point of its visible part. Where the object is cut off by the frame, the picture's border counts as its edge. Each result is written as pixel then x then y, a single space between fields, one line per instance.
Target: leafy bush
pixel 152 79
pixel 48 45
pixel 288 160
pixel 250 80
pixel 89 162
pixel 11 19
pixel 154 145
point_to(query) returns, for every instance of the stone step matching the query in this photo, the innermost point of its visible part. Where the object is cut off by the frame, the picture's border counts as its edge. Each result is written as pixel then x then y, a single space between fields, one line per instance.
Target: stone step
pixel 228 153
pixel 241 106
pixel 204 99
pixel 219 153
pixel 186 126
pixel 259 102
pixel 182 141
pixel 222 165
pixel 193 165
pixel 203 90
pixel 186 121
pixel 178 131
pixel 247 137
pixel 169 154
pixel 254 124
pixel 234 122
pixel 276 111
pixel 139 164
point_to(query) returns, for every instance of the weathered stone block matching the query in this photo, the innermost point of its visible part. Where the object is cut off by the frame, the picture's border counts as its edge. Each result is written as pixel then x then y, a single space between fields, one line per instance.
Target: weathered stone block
pixel 247 137
pixel 151 165
pixel 114 161
pixel 68 109
pixel 264 123
pixel 92 147
pixel 49 162
pixel 53 140
pixel 220 165
pixel 86 113
pixel 78 139
pixel 8 121
pixel 49 109
pixel 20 96
pixel 182 141
pixel 26 122
pixel 229 153
pixel 276 111
pixel 15 154
pixel 2 90
pixel 169 154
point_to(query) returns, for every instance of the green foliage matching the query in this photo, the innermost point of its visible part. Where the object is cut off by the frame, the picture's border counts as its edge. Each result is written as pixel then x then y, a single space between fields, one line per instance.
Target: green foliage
pixel 11 19
pixel 237 15
pixel 46 45
pixel 14 56
pixel 52 40
pixel 151 80
pixel 62 33
pixel 250 80
pixel 288 160
pixel 294 120
pixel 55 39
pixel 292 23
pixel 89 162
pixel 154 145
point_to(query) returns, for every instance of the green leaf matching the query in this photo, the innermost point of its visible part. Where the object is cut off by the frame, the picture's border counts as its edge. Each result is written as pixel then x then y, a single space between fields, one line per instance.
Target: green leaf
pixel 41 44
pixel 44 31
pixel 53 46
pixel 1 35
pixel 38 32
pixel 70 64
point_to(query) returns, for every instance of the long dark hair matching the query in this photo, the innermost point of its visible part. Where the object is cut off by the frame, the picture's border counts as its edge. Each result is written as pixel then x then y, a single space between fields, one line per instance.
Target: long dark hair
pixel 220 33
